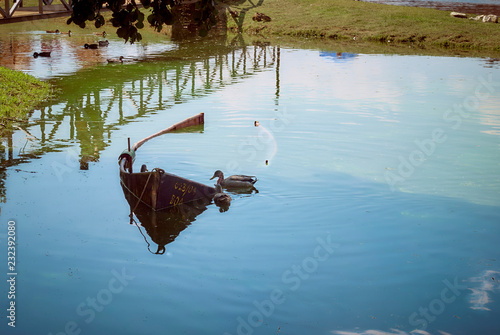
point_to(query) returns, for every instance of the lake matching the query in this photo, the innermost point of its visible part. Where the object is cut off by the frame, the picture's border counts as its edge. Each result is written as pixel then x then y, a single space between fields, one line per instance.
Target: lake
pixel 378 203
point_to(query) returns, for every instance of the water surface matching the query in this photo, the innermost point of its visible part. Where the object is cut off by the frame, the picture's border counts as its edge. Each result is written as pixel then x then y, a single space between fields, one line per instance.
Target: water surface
pixel 377 210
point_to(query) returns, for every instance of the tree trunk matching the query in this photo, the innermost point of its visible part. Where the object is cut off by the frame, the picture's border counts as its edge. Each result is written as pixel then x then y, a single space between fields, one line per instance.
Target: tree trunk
pixel 185 26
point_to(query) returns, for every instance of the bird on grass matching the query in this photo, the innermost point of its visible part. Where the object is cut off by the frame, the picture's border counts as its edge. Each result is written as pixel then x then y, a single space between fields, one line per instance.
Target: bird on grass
pixel 234 13
pixel 116 60
pixel 235 181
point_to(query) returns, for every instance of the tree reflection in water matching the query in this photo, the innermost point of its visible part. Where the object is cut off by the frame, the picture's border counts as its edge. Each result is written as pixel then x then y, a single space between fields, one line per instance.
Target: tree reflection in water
pixel 99 100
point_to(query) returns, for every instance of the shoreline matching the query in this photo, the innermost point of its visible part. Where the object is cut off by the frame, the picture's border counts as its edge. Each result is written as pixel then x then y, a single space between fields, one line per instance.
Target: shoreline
pixel 20 94
pixel 399 28
pixel 462 7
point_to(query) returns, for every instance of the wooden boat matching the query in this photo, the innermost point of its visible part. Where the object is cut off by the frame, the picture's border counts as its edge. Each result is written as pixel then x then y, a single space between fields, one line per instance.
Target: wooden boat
pixel 158 189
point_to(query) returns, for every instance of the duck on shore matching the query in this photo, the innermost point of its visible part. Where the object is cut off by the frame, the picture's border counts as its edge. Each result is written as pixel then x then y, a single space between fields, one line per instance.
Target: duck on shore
pixel 234 13
pixel 66 33
pixel 103 34
pixel 116 60
pixel 235 181
pixel 261 17
pixel 52 31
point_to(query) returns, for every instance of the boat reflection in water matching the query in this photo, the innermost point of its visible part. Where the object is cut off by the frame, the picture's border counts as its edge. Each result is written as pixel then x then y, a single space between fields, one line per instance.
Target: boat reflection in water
pixel 165 225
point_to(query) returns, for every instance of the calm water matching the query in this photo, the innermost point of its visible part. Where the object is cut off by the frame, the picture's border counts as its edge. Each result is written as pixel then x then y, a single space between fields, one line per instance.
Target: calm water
pixel 378 211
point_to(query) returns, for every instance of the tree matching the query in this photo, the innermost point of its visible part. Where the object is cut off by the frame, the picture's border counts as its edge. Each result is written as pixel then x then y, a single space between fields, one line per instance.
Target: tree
pixel 128 18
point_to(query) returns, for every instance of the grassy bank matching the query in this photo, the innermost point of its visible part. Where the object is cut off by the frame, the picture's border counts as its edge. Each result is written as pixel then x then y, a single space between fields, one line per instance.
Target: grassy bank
pixel 354 24
pixel 357 21
pixel 20 93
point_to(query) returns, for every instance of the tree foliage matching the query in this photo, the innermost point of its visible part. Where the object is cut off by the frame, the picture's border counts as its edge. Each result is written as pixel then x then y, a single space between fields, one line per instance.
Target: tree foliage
pixel 128 18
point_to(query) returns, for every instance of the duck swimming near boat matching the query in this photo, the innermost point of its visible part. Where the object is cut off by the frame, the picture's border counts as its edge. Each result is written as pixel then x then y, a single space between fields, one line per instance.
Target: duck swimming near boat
pixel 221 198
pixel 91 46
pixel 235 181
pixel 41 54
pixel 116 60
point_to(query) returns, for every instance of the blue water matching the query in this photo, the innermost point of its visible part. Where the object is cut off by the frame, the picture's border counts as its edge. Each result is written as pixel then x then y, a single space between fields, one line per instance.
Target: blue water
pixel 377 211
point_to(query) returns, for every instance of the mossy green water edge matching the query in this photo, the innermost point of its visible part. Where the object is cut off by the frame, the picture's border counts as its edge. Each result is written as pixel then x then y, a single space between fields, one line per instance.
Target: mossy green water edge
pixel 20 93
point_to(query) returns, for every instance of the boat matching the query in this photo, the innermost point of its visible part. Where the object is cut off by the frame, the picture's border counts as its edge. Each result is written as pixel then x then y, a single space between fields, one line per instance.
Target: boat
pixel 158 189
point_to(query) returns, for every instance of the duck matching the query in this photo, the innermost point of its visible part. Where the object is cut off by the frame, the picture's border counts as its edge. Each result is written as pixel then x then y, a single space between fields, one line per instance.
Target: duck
pixel 235 181
pixel 234 13
pixel 261 17
pixel 103 34
pixel 52 31
pixel 41 54
pixel 91 46
pixel 103 43
pixel 116 60
pixel 221 199
pixel 66 33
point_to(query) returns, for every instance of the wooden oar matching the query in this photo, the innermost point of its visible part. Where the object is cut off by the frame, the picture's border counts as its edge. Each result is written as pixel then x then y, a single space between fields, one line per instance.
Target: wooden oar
pixel 128 156
pixel 192 121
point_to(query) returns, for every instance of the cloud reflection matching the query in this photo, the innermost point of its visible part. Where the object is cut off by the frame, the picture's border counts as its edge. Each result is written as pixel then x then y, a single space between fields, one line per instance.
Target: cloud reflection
pixel 481 295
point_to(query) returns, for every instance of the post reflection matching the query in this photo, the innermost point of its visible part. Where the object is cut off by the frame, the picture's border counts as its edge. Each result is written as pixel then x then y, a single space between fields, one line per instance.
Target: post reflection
pixel 99 100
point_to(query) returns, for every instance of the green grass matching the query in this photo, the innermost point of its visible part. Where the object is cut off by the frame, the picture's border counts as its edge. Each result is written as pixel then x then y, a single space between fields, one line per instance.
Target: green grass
pixel 358 21
pixel 20 94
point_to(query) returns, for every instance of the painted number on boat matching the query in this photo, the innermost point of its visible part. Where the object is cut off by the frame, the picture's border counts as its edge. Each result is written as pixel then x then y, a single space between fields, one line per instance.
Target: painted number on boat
pixel 175 200
pixel 185 188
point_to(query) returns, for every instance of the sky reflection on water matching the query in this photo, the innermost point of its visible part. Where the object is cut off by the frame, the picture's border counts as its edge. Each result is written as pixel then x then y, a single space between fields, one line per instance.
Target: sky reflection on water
pixel 328 245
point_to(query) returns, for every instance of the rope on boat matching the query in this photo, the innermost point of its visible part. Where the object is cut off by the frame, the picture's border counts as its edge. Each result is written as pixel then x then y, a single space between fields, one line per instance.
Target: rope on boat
pixel 144 189
pixel 140 231
pixel 139 199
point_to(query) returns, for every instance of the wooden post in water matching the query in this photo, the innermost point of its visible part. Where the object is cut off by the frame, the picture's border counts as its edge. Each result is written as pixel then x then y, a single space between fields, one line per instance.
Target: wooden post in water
pixel 7 8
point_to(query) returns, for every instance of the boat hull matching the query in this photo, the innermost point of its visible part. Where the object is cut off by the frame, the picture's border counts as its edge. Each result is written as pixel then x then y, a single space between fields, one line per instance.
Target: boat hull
pixel 159 190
